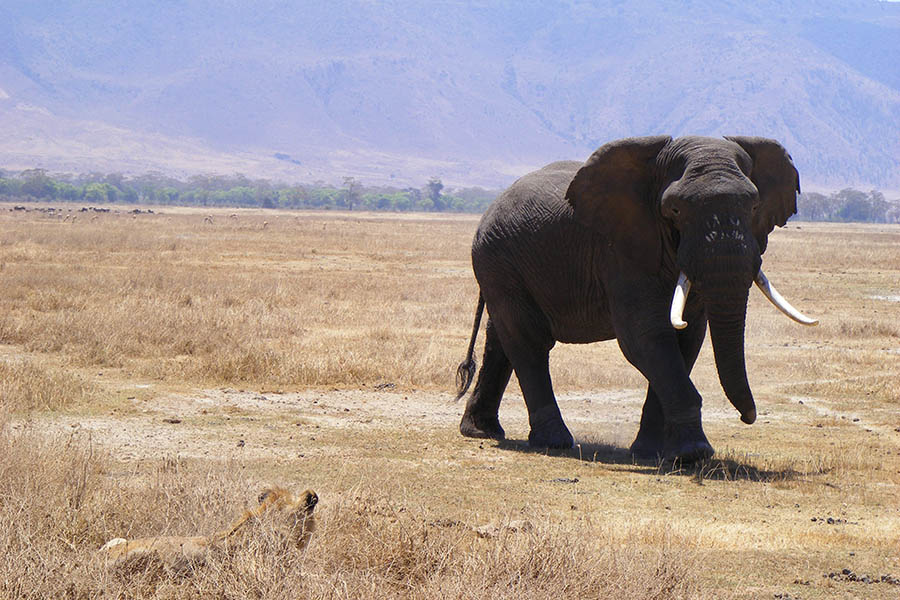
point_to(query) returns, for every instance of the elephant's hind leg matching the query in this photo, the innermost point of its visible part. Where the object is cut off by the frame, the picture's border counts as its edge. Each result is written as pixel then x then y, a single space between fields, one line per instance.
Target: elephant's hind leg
pixel 528 343
pixel 480 419
pixel 548 430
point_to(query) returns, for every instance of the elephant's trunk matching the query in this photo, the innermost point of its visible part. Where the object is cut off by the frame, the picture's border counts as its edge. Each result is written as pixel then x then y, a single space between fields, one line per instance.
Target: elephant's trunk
pixel 726 330
pixel 722 260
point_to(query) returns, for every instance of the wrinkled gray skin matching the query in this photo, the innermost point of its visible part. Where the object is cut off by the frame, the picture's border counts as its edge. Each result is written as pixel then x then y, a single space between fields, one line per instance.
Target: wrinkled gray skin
pixel 578 253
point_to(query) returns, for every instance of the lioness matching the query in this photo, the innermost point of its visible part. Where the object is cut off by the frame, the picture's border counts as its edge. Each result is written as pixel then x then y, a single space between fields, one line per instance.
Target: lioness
pixel 291 517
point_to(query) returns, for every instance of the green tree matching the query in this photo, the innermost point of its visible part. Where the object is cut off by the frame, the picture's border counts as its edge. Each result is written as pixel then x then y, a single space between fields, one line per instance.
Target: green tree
pixel 36 183
pixel 351 195
pixel 413 200
pixel 10 186
pixel 68 192
pixel 99 193
pixel 433 191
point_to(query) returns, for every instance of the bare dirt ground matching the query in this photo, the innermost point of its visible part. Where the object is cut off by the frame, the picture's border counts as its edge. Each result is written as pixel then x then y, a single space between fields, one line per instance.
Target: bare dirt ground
pixel 216 421
pixel 223 421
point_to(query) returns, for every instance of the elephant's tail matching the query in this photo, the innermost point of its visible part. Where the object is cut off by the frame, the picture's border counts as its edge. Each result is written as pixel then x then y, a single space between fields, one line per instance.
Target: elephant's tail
pixel 466 370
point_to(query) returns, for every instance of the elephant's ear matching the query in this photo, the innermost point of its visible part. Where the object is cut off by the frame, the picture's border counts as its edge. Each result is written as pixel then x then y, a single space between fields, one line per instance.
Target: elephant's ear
pixel 777 180
pixel 611 194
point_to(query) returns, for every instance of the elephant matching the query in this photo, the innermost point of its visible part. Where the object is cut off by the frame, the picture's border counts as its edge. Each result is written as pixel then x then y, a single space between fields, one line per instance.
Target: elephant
pixel 583 252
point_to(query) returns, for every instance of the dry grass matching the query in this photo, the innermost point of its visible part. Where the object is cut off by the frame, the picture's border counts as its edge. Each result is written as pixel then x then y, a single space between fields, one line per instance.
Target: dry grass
pixel 26 385
pixel 175 299
pixel 111 325
pixel 58 507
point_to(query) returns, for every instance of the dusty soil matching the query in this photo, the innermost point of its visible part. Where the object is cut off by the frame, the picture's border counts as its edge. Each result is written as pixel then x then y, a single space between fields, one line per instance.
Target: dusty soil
pixel 211 422
pixel 791 516
pixel 208 423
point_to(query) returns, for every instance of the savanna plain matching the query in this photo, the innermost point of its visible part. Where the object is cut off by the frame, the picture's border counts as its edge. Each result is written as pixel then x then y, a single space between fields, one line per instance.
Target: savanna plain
pixel 158 370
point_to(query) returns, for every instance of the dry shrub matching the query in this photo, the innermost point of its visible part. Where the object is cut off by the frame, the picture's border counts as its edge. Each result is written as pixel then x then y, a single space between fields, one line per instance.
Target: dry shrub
pixel 401 554
pixel 26 385
pixel 854 391
pixel 869 328
pixel 164 299
pixel 353 300
pixel 47 487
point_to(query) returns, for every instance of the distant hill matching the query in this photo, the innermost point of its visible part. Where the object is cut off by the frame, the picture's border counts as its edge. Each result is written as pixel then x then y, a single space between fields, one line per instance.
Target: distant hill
pixel 476 93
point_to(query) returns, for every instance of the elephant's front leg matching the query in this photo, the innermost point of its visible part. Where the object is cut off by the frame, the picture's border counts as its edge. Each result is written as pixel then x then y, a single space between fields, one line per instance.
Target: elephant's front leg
pixel 650 343
pixel 649 442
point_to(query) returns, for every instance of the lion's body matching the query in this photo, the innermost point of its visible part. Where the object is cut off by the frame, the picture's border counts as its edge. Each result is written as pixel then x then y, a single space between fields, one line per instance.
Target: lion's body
pixel 171 550
pixel 288 516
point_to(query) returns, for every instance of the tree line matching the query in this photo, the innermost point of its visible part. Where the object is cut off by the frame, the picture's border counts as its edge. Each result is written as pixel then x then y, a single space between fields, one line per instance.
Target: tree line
pixel 848 205
pixel 35 185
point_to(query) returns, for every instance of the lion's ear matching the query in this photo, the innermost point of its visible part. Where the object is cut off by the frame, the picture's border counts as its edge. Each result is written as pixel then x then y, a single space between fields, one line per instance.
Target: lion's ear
pixel 310 499
pixel 262 497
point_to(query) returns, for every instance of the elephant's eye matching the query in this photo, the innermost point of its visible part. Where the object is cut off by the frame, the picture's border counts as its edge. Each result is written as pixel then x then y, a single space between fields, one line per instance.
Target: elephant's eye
pixel 675 211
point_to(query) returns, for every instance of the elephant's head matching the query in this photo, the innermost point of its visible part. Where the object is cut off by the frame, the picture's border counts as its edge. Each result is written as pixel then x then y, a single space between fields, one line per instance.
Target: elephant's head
pixel 700 208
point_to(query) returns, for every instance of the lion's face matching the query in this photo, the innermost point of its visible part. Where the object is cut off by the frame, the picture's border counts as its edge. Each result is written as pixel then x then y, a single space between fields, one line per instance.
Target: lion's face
pixel 292 515
pixel 302 517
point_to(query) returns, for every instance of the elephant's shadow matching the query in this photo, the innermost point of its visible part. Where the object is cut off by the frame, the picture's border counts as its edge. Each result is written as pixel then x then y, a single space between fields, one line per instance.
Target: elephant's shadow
pixel 727 468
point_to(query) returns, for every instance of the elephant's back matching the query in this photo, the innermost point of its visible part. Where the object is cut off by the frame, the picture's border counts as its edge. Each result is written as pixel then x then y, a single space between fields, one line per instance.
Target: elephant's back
pixel 535 201
pixel 549 182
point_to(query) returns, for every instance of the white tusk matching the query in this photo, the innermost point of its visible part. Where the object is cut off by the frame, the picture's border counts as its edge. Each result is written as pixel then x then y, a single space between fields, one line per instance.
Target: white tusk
pixel 678 299
pixel 779 301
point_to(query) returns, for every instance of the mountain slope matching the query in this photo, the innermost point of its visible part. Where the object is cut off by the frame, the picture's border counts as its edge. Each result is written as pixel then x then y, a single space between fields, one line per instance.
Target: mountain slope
pixel 472 92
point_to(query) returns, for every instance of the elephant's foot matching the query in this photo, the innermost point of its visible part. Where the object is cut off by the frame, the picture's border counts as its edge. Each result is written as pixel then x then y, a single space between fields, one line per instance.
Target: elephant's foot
pixel 650 440
pixel 646 447
pixel 686 443
pixel 481 427
pixel 549 431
